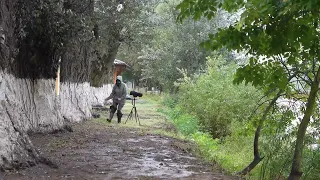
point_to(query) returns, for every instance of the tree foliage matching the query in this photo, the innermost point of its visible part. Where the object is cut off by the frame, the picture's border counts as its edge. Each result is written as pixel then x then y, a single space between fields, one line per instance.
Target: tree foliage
pixel 162 46
pixel 86 34
pixel 282 38
pixel 43 29
pixel 113 26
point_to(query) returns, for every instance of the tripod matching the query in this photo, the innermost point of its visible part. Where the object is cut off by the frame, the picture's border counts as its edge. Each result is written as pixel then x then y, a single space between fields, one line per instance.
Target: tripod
pixel 134 108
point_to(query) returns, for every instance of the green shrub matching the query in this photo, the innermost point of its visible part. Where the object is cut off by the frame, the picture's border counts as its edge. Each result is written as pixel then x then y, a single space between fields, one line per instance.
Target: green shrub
pixel 311 164
pixel 215 101
pixel 185 123
pixel 206 144
pixel 170 101
pixel 232 154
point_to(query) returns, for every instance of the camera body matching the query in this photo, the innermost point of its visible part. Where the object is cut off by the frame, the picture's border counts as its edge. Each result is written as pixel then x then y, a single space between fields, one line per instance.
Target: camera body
pixel 135 94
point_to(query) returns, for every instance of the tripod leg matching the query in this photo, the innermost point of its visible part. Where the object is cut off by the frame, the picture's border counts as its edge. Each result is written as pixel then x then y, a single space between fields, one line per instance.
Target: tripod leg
pixel 136 115
pixel 130 115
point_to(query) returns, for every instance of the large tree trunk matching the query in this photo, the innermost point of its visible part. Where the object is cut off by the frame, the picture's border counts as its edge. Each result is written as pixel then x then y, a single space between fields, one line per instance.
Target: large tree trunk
pixel 25 105
pixel 15 147
pixel 102 67
pixel 296 172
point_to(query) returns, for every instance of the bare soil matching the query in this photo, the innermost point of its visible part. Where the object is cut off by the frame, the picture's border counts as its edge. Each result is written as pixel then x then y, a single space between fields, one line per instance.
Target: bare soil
pixel 100 150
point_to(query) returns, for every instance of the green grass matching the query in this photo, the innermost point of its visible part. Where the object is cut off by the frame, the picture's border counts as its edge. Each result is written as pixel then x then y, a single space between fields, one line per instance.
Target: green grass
pixel 232 155
pixel 151 121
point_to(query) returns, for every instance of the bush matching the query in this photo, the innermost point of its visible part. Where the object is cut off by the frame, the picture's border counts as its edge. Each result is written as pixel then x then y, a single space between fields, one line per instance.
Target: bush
pixel 277 147
pixel 208 108
pixel 170 101
pixel 215 101
pixel 185 123
pixel 231 154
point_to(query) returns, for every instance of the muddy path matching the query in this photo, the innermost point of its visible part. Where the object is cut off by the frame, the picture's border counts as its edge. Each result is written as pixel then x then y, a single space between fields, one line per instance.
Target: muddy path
pixel 100 150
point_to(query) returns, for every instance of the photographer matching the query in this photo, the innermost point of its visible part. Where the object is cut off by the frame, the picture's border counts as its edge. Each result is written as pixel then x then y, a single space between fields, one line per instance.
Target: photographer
pixel 118 96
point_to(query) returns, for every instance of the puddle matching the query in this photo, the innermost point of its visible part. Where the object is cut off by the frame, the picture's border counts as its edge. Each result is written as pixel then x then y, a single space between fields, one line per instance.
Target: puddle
pixel 117 154
pixel 148 166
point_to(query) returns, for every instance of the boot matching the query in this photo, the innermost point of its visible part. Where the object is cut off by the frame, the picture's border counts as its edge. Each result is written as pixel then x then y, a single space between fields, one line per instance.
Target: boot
pixel 112 111
pixel 119 115
pixel 110 117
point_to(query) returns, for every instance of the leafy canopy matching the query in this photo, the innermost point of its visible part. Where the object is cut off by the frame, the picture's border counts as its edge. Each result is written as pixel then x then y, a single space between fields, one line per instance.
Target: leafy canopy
pixel 284 32
pixel 161 47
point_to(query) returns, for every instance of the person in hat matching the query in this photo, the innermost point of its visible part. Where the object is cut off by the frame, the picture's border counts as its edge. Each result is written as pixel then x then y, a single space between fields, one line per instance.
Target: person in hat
pixel 118 96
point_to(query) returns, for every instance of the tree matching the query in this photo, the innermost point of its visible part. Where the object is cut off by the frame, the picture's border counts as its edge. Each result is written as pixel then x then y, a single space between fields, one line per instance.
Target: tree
pixel 282 38
pixel 161 46
pixel 139 34
pixel 114 24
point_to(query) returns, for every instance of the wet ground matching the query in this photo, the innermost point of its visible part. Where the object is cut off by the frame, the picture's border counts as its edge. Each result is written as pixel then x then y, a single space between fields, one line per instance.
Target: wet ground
pixel 100 150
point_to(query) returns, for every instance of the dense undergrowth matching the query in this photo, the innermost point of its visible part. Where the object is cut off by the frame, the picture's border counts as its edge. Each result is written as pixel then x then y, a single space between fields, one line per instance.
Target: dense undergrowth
pixel 218 116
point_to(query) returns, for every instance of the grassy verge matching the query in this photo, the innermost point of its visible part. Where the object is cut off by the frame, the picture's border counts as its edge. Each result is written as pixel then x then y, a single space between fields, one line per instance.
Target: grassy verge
pixel 232 154
pixel 152 121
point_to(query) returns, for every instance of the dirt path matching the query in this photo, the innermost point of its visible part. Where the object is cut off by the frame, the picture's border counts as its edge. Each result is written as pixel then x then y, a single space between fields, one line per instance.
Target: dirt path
pixel 99 150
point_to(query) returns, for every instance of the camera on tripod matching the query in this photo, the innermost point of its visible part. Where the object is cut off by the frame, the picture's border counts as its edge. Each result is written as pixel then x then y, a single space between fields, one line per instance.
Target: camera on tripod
pixel 135 94
pixel 134 109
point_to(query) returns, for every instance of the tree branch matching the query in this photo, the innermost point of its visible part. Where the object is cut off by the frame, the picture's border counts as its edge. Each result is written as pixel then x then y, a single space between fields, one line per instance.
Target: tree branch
pixel 257 158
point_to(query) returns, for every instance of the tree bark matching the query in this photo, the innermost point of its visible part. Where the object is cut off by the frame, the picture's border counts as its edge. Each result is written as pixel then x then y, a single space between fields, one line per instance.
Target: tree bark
pixel 102 68
pixel 296 172
pixel 15 147
pixel 76 62
pixel 25 105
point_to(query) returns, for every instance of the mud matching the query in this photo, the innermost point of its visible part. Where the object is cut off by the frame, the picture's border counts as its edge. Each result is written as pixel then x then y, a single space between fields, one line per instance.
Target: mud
pixel 97 150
